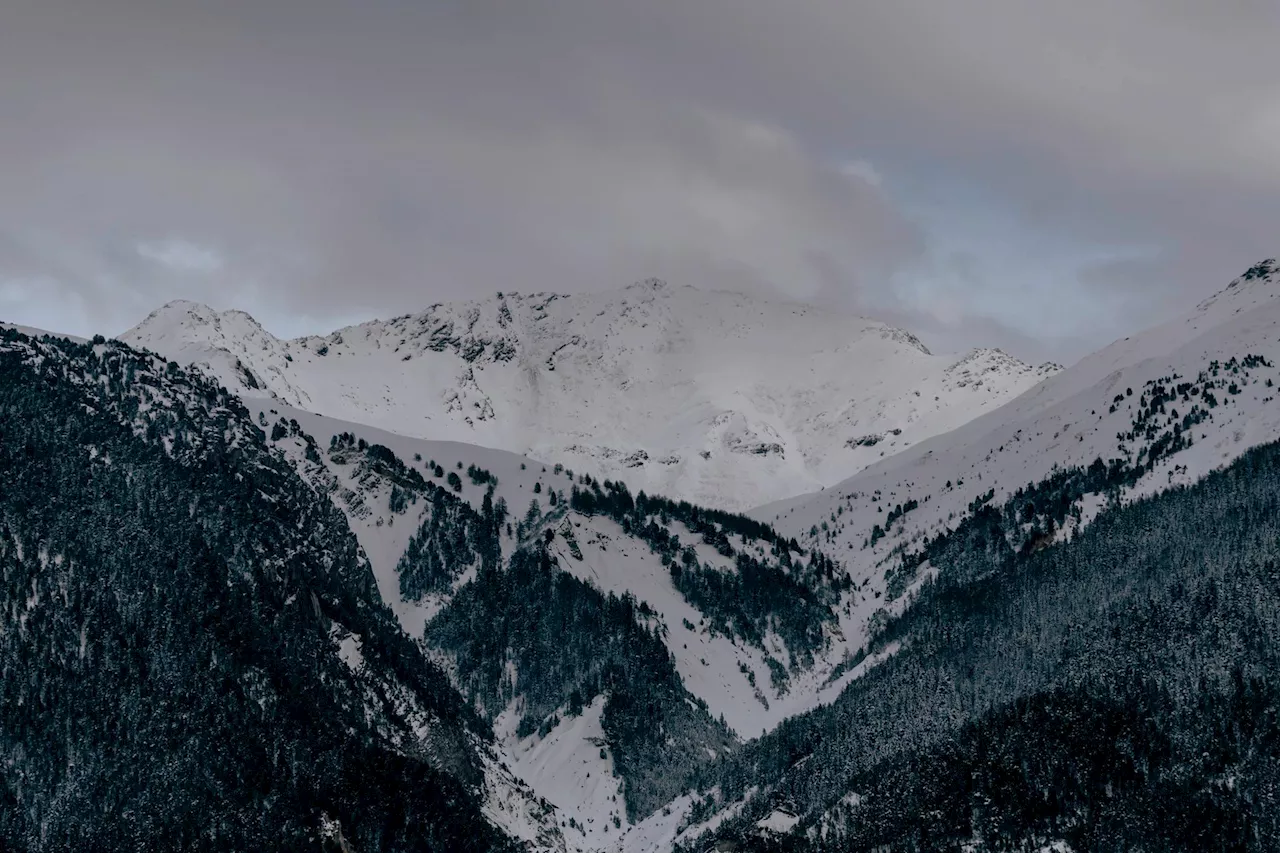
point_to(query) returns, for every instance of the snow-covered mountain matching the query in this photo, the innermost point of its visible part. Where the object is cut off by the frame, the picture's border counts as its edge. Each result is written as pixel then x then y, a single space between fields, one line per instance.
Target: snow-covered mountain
pixel 1159 408
pixel 720 398
pixel 740 681
pixel 554 602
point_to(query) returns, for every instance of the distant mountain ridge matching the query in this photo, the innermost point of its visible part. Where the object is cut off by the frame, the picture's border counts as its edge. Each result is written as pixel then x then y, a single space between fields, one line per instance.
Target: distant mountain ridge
pixel 1159 408
pixel 715 397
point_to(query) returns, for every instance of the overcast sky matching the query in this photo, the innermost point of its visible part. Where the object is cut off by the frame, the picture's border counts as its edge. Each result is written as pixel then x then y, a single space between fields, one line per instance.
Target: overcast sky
pixel 1040 176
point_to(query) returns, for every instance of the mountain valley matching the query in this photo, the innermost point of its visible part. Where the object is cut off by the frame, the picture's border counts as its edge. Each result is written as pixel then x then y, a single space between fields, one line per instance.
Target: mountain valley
pixel 466 581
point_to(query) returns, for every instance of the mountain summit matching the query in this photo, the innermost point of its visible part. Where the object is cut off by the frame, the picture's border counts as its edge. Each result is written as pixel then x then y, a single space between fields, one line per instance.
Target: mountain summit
pixel 715 397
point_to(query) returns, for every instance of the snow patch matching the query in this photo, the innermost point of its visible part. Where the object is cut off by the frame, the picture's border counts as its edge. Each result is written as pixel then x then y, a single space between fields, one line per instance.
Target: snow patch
pixel 573 769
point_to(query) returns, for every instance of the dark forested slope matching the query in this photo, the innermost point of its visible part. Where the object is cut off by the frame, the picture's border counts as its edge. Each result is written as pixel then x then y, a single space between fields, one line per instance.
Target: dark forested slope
pixel 1115 692
pixel 537 632
pixel 171 601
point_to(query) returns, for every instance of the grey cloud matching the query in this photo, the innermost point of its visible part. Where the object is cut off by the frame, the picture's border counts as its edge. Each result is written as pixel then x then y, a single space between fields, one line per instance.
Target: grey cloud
pixel 346 160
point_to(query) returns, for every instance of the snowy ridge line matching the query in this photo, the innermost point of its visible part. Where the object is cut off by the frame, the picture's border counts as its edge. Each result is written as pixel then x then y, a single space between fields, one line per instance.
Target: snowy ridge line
pixel 1160 408
pixel 723 399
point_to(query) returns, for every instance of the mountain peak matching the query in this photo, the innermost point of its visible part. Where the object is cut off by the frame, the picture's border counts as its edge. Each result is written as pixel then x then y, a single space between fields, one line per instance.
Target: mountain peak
pixel 186 312
pixel 1266 270
pixel 181 308
pixel 997 360
pixel 900 335
pixel 649 284
pixel 1254 285
pixel 713 396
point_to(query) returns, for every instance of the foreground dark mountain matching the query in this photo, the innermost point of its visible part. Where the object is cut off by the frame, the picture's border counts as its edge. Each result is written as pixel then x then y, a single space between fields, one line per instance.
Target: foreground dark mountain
pixel 1117 692
pixel 172 600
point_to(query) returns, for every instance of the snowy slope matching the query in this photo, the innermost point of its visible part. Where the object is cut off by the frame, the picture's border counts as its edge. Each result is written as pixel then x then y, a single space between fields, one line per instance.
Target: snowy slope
pixel 39 333
pixel 1107 406
pixel 711 666
pixel 530 800
pixel 731 676
pixel 571 767
pixel 723 399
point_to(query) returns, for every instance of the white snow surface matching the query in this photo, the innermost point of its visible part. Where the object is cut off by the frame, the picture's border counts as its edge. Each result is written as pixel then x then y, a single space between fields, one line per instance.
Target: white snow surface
pixel 1064 421
pixel 567 769
pixel 720 398
pixel 519 811
pixel 778 821
pixel 31 331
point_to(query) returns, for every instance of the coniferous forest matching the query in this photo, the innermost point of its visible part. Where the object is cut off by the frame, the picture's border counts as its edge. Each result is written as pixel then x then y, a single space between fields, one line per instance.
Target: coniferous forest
pixel 170 590
pixel 785 590
pixel 1117 692
pixel 567 639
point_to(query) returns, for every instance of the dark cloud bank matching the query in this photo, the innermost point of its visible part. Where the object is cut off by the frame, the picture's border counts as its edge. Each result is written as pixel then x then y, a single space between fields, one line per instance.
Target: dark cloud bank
pixel 1039 176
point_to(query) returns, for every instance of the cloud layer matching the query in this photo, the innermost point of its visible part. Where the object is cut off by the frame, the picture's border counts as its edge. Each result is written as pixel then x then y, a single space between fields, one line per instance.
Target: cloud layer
pixel 1043 177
